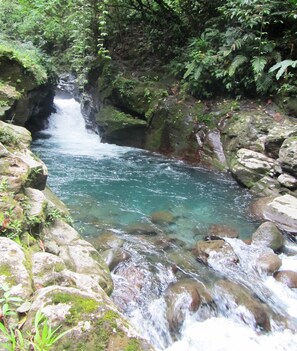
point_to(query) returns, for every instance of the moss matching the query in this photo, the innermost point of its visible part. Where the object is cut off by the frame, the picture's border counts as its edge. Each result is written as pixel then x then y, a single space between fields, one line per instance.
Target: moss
pixel 59 267
pixel 79 305
pixel 5 270
pixel 8 138
pixel 133 345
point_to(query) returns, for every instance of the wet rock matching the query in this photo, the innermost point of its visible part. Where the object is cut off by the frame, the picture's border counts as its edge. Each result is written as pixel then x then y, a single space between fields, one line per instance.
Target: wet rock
pixel 248 167
pixel 142 229
pixel 267 186
pixel 287 181
pixel 181 298
pixel 13 270
pixel 107 240
pixel 268 263
pixel 255 312
pixel 217 250
pixel 114 257
pixel 268 235
pixel 162 218
pixel 222 231
pixel 288 155
pixel 54 202
pixel 287 277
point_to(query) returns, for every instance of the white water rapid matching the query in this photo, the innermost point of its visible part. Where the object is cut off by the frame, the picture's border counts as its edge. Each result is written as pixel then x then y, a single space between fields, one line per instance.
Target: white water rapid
pixel 110 188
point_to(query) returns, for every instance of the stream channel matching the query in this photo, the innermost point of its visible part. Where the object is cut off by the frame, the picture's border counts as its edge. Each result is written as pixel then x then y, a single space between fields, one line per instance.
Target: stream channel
pixel 113 189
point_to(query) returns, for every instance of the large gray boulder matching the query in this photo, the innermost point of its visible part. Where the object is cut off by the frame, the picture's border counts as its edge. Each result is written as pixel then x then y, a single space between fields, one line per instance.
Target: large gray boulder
pixel 268 235
pixel 248 166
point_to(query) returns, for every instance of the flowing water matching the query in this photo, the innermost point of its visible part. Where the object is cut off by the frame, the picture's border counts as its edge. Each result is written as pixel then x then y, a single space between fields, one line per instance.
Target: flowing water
pixel 117 189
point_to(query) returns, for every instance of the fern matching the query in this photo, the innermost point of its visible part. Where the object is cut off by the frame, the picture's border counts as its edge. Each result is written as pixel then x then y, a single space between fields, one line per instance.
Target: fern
pixel 237 62
pixel 258 64
pixel 282 67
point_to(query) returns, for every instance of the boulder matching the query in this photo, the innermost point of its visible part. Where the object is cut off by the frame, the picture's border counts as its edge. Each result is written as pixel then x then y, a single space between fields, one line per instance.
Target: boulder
pixel 287 277
pixel 183 297
pixel 288 155
pixel 140 228
pixel 268 263
pixel 287 181
pixel 215 250
pixel 222 231
pixel 282 210
pixel 162 217
pixel 254 313
pixel 248 166
pixel 268 235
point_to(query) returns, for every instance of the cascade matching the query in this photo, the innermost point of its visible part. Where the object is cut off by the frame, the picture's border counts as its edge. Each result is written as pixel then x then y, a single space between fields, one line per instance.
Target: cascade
pixel 115 190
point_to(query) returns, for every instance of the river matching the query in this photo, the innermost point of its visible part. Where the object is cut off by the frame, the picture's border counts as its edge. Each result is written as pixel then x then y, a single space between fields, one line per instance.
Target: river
pixel 118 190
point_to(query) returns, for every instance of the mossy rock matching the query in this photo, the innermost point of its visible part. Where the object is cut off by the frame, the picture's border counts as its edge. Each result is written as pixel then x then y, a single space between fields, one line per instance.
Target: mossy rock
pixel 119 127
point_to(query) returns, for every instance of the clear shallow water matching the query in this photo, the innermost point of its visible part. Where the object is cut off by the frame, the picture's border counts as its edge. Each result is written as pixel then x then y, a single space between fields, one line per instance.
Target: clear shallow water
pixel 106 186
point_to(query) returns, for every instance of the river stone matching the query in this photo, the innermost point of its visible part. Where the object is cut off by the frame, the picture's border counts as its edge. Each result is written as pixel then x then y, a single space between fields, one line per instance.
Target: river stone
pixel 181 298
pixel 13 270
pixel 218 250
pixel 229 293
pixel 162 218
pixel 222 231
pixel 282 211
pixel 105 241
pixel 287 181
pixel 113 257
pixel 268 263
pixel 287 277
pixel 288 155
pixel 249 166
pixel 268 235
pixel 92 321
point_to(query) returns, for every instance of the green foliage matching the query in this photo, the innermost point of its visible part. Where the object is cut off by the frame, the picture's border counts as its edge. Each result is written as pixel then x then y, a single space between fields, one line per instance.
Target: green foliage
pixel 8 138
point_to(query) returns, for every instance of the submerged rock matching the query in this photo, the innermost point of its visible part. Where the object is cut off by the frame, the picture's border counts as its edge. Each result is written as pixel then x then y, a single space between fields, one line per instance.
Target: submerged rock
pixel 268 235
pixel 113 257
pixel 268 263
pixel 107 240
pixel 222 231
pixel 254 312
pixel 162 218
pixel 142 229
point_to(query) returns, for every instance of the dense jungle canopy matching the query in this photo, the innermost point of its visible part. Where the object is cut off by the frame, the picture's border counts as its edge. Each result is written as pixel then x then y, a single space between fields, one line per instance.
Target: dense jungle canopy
pixel 238 47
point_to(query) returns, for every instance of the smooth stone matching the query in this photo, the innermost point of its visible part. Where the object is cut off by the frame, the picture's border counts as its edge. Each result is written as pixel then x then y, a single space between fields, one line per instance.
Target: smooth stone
pixel 268 263
pixel 287 181
pixel 287 277
pixel 230 293
pixel 268 235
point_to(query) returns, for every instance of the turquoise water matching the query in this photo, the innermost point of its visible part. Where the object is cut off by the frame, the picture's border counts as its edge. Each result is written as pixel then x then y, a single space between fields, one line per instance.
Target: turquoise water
pixel 106 186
